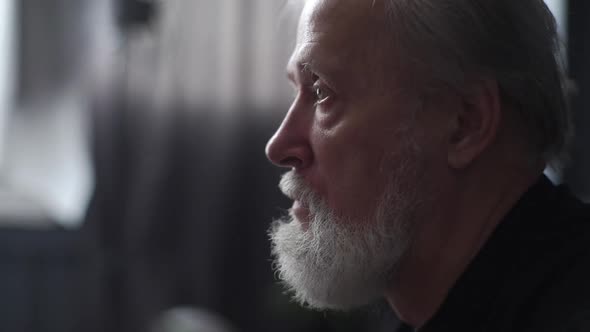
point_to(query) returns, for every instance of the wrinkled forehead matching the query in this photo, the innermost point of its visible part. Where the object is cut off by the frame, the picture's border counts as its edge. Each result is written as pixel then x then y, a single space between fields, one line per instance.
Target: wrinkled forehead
pixel 350 20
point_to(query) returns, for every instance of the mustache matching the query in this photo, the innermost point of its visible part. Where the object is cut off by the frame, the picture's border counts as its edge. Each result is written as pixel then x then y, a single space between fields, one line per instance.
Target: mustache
pixel 294 186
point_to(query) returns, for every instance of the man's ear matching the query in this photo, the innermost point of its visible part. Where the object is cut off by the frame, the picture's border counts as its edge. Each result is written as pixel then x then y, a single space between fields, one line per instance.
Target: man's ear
pixel 474 124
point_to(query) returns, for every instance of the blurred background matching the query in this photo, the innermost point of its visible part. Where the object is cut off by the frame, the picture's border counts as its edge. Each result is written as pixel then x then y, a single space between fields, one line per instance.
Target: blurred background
pixel 134 190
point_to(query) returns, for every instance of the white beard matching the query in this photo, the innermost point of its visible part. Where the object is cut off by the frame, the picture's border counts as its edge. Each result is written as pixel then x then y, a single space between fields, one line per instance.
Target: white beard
pixel 338 263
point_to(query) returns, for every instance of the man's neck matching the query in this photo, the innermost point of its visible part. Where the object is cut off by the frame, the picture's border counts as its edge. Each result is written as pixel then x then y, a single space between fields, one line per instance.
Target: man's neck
pixel 448 239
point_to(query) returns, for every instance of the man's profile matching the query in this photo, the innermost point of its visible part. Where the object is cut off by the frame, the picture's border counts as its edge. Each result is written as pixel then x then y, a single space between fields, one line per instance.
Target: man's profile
pixel 416 145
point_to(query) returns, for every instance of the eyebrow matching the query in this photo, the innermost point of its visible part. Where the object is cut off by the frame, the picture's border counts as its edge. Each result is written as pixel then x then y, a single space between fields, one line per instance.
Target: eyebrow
pixel 305 67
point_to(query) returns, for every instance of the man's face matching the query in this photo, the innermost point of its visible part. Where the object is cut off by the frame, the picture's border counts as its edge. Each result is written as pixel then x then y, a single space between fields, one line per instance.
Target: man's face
pixel 353 140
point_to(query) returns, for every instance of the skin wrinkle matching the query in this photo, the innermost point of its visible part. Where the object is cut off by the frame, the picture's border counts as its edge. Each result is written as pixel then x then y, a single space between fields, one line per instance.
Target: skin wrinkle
pixel 366 52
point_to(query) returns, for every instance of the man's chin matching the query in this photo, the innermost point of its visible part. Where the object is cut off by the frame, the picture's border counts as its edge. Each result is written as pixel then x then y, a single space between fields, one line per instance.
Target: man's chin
pixel 335 277
pixel 335 301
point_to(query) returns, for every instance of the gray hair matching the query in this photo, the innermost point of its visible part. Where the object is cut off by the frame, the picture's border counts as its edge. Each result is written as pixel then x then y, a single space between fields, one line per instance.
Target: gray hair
pixel 511 41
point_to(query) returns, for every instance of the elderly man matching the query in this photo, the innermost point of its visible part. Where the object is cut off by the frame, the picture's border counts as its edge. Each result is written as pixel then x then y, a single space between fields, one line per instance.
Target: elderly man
pixel 416 145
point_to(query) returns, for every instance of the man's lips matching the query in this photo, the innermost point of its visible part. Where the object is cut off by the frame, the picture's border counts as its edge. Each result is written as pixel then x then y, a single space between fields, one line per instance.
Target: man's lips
pixel 300 211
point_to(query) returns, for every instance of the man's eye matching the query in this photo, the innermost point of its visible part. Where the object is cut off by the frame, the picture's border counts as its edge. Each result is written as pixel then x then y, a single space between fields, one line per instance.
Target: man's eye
pixel 321 92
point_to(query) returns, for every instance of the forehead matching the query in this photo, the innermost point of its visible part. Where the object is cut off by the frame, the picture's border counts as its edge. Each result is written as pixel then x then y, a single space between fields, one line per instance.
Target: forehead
pixel 336 15
pixel 335 33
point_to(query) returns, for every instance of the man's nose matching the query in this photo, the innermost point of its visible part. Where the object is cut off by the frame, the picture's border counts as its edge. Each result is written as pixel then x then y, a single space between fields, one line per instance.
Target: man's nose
pixel 290 146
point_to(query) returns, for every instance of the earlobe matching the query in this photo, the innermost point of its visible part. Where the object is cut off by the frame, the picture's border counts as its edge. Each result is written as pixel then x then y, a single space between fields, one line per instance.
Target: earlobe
pixel 475 123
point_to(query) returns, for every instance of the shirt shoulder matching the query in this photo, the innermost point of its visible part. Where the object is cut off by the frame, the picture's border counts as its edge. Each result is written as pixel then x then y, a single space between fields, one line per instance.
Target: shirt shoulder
pixel 561 301
pixel 562 304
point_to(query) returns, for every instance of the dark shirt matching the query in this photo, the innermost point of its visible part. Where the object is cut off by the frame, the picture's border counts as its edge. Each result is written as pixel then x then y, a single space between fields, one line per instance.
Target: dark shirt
pixel 533 274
